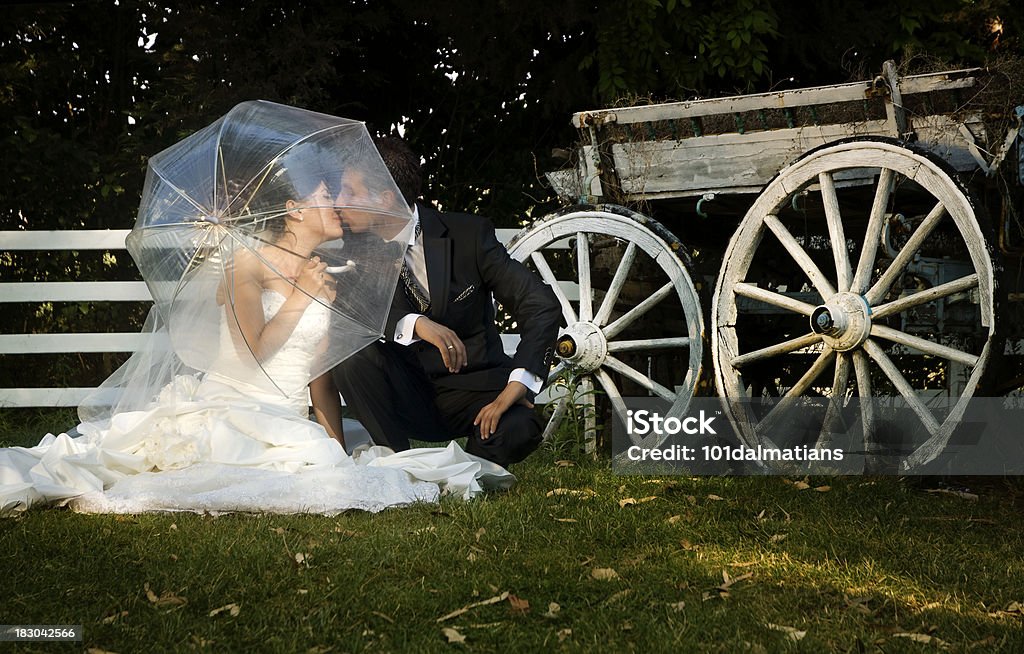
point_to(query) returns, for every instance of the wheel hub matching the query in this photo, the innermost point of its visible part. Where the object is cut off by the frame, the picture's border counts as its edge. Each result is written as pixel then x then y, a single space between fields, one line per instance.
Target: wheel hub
pixel 844 322
pixel 583 346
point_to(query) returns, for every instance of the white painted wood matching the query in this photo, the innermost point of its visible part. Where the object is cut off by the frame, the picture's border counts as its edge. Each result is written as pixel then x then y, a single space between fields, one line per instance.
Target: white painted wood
pixel 56 343
pixel 69 239
pixel 26 397
pixel 74 292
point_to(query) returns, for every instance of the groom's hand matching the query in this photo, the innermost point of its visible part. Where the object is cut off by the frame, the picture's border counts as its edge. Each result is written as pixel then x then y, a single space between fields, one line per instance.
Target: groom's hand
pixel 447 342
pixel 489 416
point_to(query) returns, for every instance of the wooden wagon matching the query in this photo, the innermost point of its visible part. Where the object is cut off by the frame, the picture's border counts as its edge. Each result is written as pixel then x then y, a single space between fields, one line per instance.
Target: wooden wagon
pixel 840 242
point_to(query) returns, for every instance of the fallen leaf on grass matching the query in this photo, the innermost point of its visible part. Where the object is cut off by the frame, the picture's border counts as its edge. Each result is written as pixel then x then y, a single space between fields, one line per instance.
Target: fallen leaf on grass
pixel 1015 609
pixel 688 546
pixel 173 527
pixel 923 638
pixel 232 609
pixel 167 598
pixel 519 605
pixel 801 485
pixel 794 634
pixel 622 594
pixel 677 606
pixel 277 530
pixel 823 489
pixel 674 519
pixel 970 497
pixel 777 538
pixel 604 574
pixel 468 607
pixel 563 463
pixel 563 634
pixel 584 493
pixel 302 559
pixel 479 533
pixel 116 616
pixel 716 498
pixel 453 635
pixel 98 650
pixel 727 583
pixel 623 503
pixel 553 610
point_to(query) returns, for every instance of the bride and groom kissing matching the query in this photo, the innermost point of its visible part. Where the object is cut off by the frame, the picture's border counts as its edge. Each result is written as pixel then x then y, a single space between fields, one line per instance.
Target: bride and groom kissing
pixel 441 372
pixel 219 422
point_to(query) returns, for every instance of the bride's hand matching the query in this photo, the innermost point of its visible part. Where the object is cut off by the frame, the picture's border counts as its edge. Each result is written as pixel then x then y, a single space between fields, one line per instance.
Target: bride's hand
pixel 312 279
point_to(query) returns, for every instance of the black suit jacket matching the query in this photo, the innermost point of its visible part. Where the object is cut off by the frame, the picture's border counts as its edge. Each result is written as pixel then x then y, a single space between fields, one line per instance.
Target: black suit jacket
pixel 466 265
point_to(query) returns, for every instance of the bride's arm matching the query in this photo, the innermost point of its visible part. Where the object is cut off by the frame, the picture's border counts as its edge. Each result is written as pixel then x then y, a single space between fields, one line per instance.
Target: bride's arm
pixel 264 337
pixel 327 406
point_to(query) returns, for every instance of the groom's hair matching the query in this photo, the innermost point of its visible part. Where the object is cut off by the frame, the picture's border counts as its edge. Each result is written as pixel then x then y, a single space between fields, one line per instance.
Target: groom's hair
pixel 403 164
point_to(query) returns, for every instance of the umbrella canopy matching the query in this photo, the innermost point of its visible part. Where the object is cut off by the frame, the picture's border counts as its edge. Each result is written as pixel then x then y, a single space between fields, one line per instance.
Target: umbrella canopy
pixel 249 211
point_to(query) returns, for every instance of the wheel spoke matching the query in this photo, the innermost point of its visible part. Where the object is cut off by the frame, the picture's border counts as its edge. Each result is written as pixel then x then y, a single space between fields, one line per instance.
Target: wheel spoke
pixel 649 344
pixel 844 275
pixel 881 287
pixel 556 371
pixel 612 330
pixel 610 389
pixel 924 345
pixel 867 407
pixel 873 233
pixel 823 286
pixel 775 350
pixel 922 297
pixel 583 263
pixel 618 281
pixel 820 364
pixel 641 379
pixel 589 416
pixel 772 298
pixel 823 361
pixel 902 385
pixel 545 273
pixel 556 417
pixel 835 402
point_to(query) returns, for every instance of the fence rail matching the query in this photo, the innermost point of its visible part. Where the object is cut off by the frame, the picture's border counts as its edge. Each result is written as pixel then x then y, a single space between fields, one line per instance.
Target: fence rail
pixel 83 291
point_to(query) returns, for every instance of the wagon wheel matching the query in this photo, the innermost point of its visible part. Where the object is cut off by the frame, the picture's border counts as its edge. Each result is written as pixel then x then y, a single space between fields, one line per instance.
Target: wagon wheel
pixel 609 342
pixel 854 307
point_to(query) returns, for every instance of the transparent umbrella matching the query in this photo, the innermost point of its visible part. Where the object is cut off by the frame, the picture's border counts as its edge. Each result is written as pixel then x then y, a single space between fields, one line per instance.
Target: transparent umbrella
pixel 252 208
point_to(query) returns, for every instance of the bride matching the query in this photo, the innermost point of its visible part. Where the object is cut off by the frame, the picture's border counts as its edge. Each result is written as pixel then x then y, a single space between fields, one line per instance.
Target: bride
pixel 237 438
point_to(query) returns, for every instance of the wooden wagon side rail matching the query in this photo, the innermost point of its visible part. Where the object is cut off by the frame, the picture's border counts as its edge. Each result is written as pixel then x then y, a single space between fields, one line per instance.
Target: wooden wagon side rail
pixel 735 145
pixel 790 99
pixel 115 341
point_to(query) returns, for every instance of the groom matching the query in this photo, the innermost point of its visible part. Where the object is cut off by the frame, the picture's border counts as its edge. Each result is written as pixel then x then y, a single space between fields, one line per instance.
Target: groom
pixel 440 372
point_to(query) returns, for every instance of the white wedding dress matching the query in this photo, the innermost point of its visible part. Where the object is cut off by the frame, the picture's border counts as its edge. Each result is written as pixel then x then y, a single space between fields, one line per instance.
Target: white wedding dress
pixel 211 443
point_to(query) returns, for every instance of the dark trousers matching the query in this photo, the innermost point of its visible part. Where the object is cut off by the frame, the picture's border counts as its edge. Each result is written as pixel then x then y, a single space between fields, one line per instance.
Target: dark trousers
pixel 393 398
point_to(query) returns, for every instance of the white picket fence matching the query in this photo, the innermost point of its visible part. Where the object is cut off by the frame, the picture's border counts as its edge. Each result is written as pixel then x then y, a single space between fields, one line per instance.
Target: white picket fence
pixel 83 291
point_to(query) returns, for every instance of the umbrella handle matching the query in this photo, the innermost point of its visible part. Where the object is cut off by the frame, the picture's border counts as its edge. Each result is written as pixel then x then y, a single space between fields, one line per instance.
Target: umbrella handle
pixel 337 270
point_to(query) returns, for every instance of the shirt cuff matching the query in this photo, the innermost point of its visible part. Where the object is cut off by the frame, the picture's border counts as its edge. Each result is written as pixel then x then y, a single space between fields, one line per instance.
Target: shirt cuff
pixel 405 330
pixel 531 381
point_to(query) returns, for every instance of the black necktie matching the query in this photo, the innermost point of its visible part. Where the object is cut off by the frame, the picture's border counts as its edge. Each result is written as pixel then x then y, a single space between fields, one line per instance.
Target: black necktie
pixel 413 291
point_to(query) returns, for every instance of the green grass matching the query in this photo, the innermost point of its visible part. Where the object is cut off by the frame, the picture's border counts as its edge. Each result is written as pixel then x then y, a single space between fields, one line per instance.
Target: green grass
pixel 853 566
